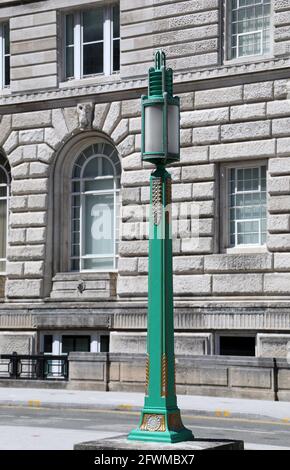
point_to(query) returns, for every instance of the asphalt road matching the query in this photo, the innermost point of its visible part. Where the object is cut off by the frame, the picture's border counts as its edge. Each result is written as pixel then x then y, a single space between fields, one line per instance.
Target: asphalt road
pixel 37 428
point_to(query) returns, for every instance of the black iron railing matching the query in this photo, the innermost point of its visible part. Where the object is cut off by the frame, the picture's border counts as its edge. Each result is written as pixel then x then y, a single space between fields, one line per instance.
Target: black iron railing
pixel 33 367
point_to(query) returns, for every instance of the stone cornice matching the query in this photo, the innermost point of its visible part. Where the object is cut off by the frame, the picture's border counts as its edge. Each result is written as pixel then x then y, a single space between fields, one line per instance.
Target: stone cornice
pixel 130 86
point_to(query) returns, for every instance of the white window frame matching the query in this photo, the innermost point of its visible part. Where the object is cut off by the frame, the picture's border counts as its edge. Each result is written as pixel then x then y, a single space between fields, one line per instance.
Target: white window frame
pixel 7 199
pixel 78 44
pixel 224 209
pixel 228 39
pixel 95 344
pixel 116 222
pixel 3 85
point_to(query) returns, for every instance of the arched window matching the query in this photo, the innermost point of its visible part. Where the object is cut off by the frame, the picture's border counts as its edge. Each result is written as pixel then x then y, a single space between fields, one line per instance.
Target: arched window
pixel 4 196
pixel 94 215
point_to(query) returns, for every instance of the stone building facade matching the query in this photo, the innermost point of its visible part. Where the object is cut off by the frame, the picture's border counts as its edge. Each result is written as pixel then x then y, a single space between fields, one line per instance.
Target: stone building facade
pixel 65 102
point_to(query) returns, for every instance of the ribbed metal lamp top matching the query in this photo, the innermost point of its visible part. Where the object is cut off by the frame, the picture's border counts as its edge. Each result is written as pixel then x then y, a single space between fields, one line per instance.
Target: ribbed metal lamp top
pixel 160 78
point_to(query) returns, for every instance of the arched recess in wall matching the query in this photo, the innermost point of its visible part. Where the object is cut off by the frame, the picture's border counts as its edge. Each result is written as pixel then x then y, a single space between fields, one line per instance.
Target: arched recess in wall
pixel 86 189
pixel 5 180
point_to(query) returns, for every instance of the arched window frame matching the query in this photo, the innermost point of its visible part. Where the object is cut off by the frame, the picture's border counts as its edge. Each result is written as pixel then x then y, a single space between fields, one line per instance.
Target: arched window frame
pixel 4 196
pixel 104 151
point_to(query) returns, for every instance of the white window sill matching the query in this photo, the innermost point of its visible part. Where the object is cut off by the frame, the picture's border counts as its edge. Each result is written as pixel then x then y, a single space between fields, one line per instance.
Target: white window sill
pixel 96 80
pixel 246 249
pixel 249 59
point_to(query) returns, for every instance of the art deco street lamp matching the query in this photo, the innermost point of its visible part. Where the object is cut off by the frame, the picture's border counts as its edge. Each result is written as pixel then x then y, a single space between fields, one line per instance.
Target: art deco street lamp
pixel 160 418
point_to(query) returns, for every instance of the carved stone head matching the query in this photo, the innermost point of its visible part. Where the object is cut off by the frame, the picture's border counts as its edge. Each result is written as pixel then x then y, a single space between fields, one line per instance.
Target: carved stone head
pixel 85 115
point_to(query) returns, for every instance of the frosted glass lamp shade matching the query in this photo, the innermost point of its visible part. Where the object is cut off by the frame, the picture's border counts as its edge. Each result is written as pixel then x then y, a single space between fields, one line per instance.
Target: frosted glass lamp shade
pixel 154 129
pixel 173 129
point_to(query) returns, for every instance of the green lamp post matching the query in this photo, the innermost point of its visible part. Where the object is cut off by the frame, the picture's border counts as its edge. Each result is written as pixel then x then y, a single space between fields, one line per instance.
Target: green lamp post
pixel 160 417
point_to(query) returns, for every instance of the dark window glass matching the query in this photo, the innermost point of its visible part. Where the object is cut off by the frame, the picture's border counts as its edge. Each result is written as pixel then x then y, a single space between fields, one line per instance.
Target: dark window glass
pixel 105 343
pixel 69 49
pixel 76 343
pixel 6 34
pixel 93 25
pixel 93 58
pixel 116 38
pixel 237 346
pixel 47 344
pixel 116 55
pixel 116 22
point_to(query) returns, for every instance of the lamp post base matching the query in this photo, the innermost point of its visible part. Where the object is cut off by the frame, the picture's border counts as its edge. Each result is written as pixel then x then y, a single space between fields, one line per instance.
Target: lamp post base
pixel 161 426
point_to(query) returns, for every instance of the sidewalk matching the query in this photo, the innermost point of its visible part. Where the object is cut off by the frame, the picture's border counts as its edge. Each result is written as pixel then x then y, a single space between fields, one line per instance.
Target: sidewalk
pixel 195 405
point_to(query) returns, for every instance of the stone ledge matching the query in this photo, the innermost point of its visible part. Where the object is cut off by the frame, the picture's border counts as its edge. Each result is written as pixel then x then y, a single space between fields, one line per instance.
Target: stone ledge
pixel 122 443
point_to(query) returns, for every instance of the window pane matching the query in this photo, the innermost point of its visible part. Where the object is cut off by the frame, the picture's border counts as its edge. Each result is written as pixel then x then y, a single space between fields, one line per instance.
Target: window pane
pixel 116 21
pixel 104 343
pixel 93 59
pixel 247 206
pixel 3 227
pixel 93 25
pixel 99 185
pixel 99 225
pixel 69 30
pixel 116 55
pixel 98 264
pixel 6 38
pixel 47 343
pixel 69 61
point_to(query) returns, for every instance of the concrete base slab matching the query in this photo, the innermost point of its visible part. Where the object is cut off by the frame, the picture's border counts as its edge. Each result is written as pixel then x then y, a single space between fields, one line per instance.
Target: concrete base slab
pixel 122 443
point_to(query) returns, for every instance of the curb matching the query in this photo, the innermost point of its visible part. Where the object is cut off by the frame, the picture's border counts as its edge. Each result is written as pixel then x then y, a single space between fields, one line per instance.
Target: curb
pixel 221 414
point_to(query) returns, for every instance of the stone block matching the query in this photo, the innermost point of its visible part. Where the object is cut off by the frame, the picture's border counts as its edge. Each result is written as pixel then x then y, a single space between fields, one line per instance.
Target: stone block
pixel 51 138
pixel 71 118
pixel 198 173
pixel 24 288
pixel 29 152
pixel 128 343
pixel 130 195
pixel 101 111
pixel 31 120
pixel 245 131
pixel 280 89
pixel 192 285
pixel 138 143
pixel 283 147
pixel 29 186
pixel 218 97
pixel 181 192
pixel 284 379
pixel 34 136
pixel 282 262
pixel 185 137
pixel 132 162
pixel 238 284
pixel 279 223
pixel 16 157
pixel 26 253
pixel 35 45
pixel 130 286
pixel 34 268
pixel 279 185
pixel 258 91
pixel 11 143
pixel 127 146
pixel 278 108
pixel 279 166
pixel 204 117
pixel 193 155
pixel 35 32
pixel 203 191
pixel 27 219
pixel 17 236
pixel 14 269
pixel 251 377
pixel 277 283
pixel 38 169
pixel 36 235
pixel 5 128
pixel 132 372
pixel 112 118
pixel 279 204
pixel 59 123
pixel 186 99
pixel 133 248
pixel 135 125
pixel 121 131
pixel 187 264
pixel 142 265
pixel 131 108
pixel 205 135
pixel 20 171
pixel 19 342
pixel 247 112
pixel 86 371
pixel 238 262
pixel 243 150
pixel 45 153
pixel 135 178
pixel 202 376
pixel 37 202
pixel 128 266
pixel 272 345
pixel 18 203
pixel 278 242
pixel 201 245
pixel 281 127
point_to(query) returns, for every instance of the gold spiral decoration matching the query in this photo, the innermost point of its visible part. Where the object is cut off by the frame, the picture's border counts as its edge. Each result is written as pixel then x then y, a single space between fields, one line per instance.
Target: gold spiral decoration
pixel 164 376
pixel 157 200
pixel 147 375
